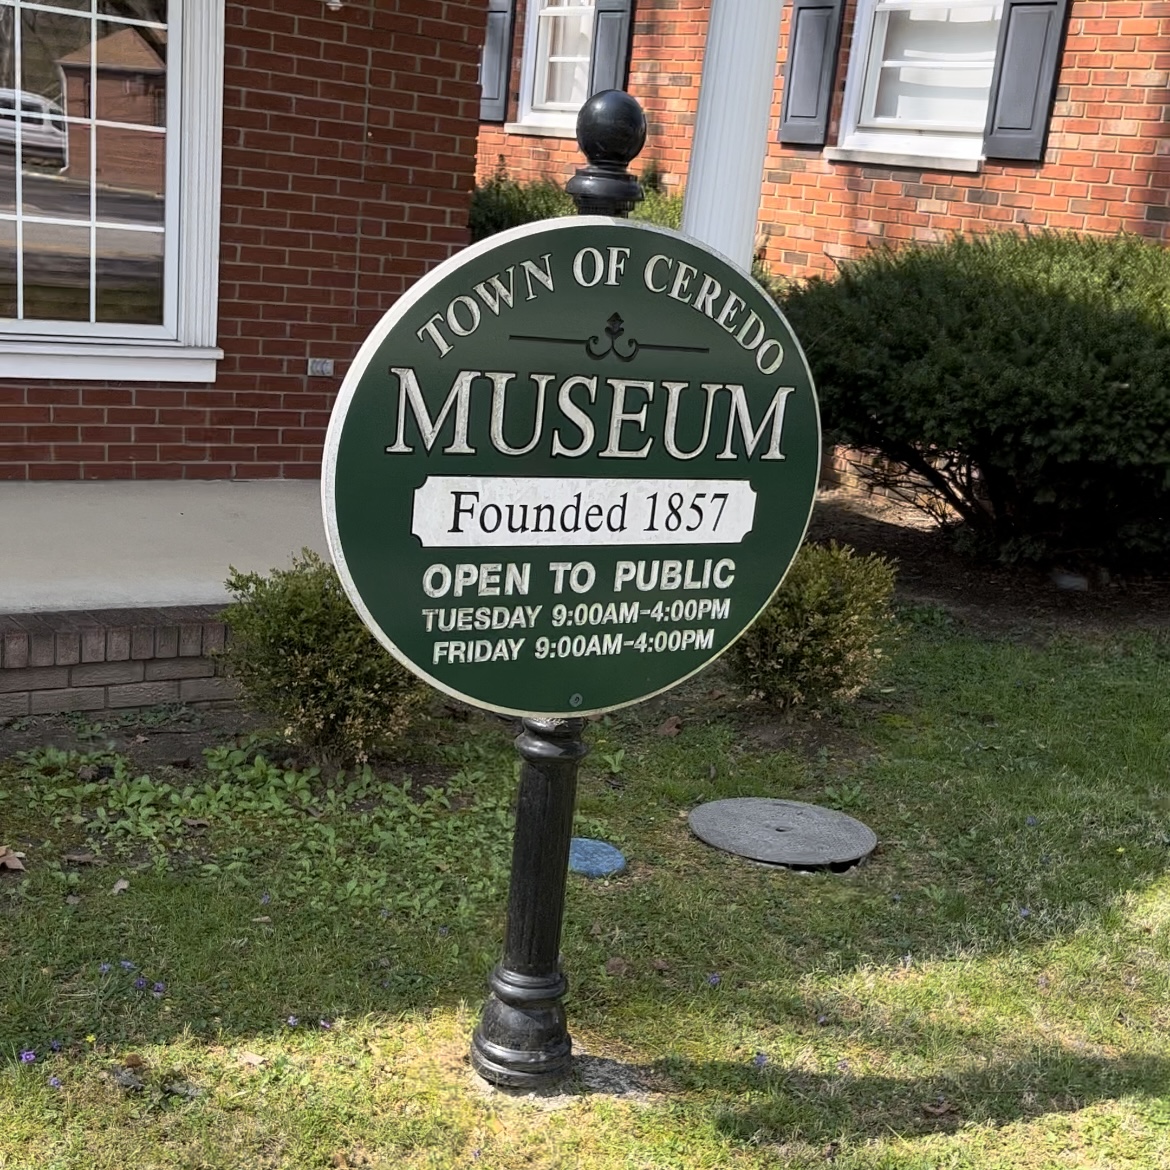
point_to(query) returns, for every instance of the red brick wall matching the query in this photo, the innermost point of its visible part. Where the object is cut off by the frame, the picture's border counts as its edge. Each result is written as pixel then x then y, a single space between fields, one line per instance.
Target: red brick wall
pixel 349 148
pixel 1107 165
pixel 665 64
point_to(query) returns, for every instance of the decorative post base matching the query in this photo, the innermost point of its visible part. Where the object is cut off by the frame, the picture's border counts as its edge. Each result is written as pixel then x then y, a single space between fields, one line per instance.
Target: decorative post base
pixel 522 1041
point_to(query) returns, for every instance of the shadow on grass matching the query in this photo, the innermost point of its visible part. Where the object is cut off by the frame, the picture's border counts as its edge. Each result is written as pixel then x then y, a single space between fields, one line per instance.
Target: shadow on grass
pixel 775 1105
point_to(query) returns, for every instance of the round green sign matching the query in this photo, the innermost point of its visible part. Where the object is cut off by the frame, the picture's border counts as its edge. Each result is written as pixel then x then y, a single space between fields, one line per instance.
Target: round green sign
pixel 571 466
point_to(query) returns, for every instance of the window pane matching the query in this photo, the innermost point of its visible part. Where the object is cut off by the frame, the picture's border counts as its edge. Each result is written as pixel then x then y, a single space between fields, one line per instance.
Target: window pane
pixel 935 66
pixel 155 10
pixel 570 36
pixel 128 81
pixel 122 195
pixel 90 103
pixel 129 276
pixel 563 58
pixel 80 5
pixel 567 82
pixel 46 37
pixel 56 272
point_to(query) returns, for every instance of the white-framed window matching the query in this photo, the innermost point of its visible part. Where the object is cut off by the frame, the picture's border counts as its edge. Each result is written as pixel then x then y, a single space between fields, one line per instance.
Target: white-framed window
pixel 109 188
pixel 572 49
pixel 919 77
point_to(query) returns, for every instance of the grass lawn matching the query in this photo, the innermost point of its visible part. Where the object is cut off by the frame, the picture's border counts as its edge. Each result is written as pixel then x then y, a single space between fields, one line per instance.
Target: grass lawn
pixel 292 974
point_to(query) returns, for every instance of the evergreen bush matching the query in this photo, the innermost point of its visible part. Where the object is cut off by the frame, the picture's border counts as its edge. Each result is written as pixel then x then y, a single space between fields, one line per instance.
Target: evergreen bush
pixel 1025 379
pixel 820 639
pixel 502 202
pixel 303 657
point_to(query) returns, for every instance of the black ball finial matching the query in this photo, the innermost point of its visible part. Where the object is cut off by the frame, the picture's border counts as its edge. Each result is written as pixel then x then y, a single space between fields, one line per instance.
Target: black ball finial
pixel 611 130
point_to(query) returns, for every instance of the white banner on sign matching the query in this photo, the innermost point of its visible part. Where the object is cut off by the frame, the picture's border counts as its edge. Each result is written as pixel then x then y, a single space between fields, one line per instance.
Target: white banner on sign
pixel 465 511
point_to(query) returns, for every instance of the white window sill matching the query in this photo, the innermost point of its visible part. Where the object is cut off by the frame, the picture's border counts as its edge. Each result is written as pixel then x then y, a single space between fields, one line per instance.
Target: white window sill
pixel 114 362
pixel 541 130
pixel 918 162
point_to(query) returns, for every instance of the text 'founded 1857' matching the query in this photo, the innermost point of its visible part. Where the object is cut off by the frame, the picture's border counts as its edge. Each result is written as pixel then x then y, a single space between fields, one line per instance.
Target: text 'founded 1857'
pixel 571 466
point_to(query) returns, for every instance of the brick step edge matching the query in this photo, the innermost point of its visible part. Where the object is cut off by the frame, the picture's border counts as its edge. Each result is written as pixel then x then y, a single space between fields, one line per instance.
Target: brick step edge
pixel 96 660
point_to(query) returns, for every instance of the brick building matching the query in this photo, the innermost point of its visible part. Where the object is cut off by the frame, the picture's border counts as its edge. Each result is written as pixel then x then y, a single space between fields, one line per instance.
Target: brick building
pixel 892 120
pixel 161 295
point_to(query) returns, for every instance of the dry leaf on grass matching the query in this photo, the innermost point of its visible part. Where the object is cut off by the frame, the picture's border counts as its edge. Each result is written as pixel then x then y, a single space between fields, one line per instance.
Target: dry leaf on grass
pixel 939 1110
pixel 617 966
pixel 120 886
pixel 252 1058
pixel 133 1060
pixel 660 965
pixel 72 900
pixel 10 859
pixel 262 918
pixel 80 859
pixel 670 727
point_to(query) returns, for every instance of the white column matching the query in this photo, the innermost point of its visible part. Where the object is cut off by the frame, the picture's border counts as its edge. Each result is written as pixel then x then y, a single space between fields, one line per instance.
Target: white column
pixel 722 199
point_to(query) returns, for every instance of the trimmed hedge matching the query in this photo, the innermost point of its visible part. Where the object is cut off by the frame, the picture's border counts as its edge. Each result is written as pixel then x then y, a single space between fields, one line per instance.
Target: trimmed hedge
pixel 500 203
pixel 303 657
pixel 1024 378
pixel 820 638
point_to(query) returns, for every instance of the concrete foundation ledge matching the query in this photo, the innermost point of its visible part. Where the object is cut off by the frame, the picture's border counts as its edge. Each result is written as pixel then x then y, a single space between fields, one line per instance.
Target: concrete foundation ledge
pixel 95 660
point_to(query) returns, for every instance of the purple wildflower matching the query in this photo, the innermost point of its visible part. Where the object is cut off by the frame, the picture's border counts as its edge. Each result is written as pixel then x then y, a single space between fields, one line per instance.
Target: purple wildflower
pixel 761 1059
pixel 822 1020
pixel 55 1045
pixel 54 1082
pixel 158 988
pixel 28 1056
pixel 1025 912
pixel 843 1065
pixel 126 965
pixel 444 931
pixel 292 1021
pixel 326 1024
pixel 265 899
pixel 713 980
pixel 383 913
pixel 103 968
pixel 1031 820
pixel 139 983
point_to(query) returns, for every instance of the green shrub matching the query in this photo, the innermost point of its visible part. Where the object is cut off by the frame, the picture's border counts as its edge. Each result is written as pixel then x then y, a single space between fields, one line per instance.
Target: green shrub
pixel 659 208
pixel 501 202
pixel 1024 378
pixel 303 657
pixel 820 638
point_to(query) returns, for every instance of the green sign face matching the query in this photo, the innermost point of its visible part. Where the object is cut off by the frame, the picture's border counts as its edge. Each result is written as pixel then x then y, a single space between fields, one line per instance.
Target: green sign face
pixel 570 466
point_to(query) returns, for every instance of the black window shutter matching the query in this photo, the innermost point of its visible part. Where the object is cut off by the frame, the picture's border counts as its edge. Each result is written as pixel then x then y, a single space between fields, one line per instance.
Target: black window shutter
pixel 1024 82
pixel 611 45
pixel 814 37
pixel 495 65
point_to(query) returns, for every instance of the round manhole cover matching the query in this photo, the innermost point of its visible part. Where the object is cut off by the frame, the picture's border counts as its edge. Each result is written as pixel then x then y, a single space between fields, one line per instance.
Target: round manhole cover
pixel 783 832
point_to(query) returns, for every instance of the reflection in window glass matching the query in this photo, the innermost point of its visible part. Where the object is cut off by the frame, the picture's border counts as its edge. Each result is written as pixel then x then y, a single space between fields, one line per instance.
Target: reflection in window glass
pixel 82 160
pixel 83 136
pixel 129 276
pixel 56 271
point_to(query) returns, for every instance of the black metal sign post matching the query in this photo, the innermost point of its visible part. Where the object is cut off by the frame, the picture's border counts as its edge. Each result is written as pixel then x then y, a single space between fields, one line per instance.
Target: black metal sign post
pixel 522 1041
